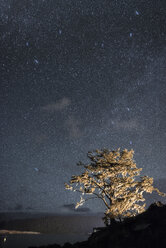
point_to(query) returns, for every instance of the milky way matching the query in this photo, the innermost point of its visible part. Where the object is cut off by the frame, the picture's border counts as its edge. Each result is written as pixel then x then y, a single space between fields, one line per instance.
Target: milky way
pixel 77 76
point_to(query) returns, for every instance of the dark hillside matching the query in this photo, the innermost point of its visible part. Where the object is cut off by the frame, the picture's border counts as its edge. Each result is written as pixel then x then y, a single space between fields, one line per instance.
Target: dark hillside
pixel 146 230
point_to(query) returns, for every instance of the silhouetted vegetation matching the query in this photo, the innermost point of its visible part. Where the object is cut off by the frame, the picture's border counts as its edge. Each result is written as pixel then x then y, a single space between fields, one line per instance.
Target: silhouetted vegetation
pixel 111 177
pixel 146 230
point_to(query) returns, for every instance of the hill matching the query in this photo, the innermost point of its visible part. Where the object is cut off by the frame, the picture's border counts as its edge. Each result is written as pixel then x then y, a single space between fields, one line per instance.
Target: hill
pixel 50 223
pixel 144 230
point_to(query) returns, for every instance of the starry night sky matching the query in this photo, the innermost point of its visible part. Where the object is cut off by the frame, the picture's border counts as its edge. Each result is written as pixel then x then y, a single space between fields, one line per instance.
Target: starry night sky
pixel 77 75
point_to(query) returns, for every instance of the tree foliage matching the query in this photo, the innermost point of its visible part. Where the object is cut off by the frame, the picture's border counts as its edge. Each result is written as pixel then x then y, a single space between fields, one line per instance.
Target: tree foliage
pixel 111 177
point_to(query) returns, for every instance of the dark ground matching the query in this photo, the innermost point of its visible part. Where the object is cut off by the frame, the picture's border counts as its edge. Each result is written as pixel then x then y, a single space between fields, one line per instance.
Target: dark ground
pixel 145 230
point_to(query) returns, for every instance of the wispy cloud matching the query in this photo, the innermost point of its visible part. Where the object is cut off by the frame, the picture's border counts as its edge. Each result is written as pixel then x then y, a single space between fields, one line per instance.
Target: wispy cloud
pixel 71 208
pixel 57 106
pixel 40 138
pixel 126 124
pixel 72 125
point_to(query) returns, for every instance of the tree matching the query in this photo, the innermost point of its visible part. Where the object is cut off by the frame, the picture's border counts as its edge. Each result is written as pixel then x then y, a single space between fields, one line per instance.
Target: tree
pixel 110 176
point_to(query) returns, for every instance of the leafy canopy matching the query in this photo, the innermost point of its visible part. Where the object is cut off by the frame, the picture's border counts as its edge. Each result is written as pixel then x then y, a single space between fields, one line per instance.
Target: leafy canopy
pixel 111 177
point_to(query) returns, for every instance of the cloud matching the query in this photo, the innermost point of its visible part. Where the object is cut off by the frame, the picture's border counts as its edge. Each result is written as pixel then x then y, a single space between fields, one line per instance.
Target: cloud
pixel 73 128
pixel 71 207
pixel 125 124
pixel 57 106
pixel 40 139
pixel 18 207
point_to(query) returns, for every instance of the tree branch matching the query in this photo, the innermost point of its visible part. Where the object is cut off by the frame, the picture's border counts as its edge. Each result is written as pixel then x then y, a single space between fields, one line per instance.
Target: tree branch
pixel 101 189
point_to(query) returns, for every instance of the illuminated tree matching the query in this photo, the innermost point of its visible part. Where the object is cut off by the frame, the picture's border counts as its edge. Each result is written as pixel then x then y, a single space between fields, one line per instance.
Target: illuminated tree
pixel 110 176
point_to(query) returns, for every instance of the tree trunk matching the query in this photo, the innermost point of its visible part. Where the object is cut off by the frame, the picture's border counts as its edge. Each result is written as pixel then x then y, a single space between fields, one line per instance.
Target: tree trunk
pixel 112 221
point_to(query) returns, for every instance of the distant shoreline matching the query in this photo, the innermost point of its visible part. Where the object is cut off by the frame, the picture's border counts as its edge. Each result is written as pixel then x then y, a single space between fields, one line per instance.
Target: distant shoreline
pixel 17 232
pixel 50 223
pixel 5 216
